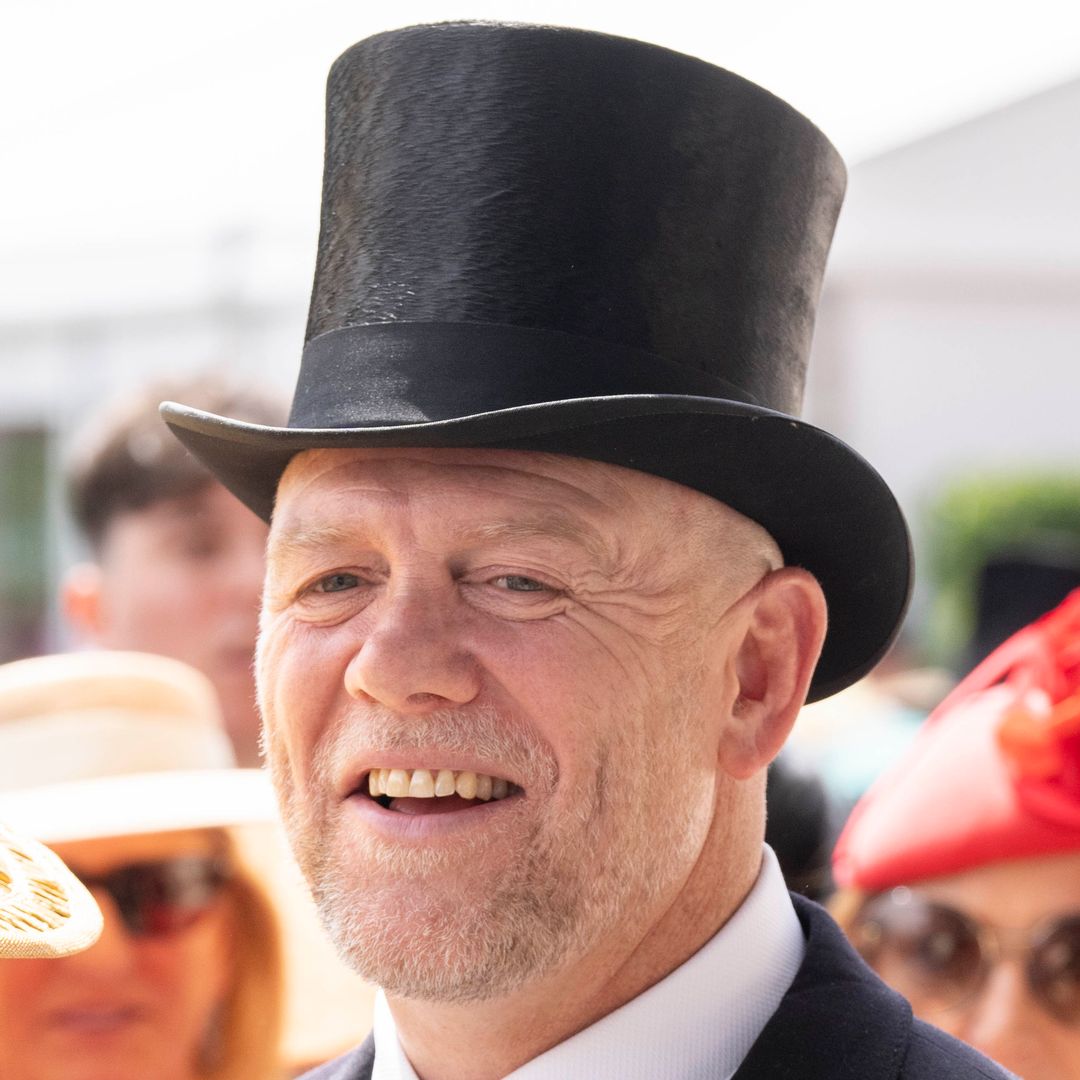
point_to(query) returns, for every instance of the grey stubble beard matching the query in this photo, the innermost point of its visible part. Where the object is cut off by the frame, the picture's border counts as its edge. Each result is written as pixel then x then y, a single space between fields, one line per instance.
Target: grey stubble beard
pixel 384 910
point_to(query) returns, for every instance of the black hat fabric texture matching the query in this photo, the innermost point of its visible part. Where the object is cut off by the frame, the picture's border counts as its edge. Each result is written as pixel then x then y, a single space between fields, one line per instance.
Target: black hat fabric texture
pixel 536 238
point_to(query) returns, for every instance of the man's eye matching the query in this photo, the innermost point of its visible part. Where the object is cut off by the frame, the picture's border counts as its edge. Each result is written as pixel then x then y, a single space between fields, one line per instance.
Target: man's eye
pixel 518 583
pixel 336 583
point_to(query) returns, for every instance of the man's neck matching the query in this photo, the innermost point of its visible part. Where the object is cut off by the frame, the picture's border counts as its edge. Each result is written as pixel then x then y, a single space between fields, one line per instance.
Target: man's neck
pixel 490 1039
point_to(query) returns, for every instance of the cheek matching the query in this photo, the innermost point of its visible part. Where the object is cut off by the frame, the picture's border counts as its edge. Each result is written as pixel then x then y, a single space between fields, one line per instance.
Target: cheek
pixel 159 603
pixel 586 669
pixel 1070 1043
pixel 612 655
pixel 581 695
pixel 214 955
pixel 552 670
pixel 24 986
pixel 300 672
pixel 192 973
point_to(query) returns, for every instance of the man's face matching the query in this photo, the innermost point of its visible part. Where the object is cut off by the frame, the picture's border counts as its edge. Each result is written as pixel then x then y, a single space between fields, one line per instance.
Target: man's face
pixel 182 578
pixel 560 626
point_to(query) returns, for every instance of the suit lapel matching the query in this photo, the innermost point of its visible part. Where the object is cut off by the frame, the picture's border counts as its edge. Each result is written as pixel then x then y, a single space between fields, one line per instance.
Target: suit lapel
pixel 838 1021
pixel 357 1064
pixel 365 1060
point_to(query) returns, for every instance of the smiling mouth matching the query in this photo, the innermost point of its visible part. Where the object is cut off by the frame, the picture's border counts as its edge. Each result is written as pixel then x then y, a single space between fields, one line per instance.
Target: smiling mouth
pixel 433 791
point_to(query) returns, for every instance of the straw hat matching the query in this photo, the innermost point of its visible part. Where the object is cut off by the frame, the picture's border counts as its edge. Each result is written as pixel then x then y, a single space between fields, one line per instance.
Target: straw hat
pixel 44 909
pixel 101 744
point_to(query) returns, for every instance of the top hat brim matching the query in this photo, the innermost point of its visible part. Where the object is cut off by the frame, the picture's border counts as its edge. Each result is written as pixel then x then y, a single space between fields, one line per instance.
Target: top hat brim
pixel 828 510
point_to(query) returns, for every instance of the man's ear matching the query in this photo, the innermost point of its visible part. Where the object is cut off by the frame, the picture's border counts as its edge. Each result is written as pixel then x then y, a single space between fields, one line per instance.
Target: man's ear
pixel 80 600
pixel 783 632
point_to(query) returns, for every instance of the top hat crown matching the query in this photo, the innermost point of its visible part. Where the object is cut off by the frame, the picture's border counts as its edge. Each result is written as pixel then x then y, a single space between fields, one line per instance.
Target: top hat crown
pixel 545 239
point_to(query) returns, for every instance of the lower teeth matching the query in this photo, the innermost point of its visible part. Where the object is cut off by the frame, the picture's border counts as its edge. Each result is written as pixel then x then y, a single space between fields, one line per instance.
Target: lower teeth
pixel 387 801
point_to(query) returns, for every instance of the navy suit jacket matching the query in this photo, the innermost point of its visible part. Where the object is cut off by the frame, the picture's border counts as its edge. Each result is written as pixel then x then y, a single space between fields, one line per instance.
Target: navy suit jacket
pixel 838 1021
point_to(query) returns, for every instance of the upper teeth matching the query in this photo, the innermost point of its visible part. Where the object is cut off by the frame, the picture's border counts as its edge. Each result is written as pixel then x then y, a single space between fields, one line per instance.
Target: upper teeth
pixel 424 784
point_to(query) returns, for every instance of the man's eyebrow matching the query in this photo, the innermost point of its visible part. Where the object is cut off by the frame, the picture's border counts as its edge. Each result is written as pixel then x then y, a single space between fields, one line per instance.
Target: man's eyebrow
pixel 305 540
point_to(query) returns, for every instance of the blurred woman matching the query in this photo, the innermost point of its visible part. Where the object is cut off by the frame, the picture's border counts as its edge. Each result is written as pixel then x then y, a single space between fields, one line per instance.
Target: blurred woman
pixel 960 868
pixel 119 761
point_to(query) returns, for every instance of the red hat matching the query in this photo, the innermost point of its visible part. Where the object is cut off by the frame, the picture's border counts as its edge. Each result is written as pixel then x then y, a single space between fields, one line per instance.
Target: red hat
pixel 993 775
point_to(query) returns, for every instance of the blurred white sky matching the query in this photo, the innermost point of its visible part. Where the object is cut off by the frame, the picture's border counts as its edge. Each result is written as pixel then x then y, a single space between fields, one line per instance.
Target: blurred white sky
pixel 132 122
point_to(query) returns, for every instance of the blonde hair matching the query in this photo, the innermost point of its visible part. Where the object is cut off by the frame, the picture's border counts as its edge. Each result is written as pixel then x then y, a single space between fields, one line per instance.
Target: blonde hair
pixel 248 1042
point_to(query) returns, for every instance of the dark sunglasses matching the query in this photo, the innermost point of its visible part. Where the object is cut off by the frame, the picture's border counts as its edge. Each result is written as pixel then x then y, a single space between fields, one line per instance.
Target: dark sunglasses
pixel 943 956
pixel 159 898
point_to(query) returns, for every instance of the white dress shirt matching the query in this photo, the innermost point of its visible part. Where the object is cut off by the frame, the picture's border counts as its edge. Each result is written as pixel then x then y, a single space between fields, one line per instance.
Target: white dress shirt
pixel 698 1023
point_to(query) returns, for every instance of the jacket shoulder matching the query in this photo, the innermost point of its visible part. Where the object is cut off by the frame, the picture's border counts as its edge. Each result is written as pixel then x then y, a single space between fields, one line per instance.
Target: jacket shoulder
pixel 839 1021
pixel 355 1065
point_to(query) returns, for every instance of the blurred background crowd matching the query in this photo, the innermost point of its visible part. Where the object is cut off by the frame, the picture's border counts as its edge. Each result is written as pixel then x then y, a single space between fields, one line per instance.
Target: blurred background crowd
pixel 159 212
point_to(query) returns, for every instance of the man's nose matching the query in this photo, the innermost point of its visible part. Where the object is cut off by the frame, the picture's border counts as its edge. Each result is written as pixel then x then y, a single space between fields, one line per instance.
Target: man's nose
pixel 1005 1022
pixel 414 659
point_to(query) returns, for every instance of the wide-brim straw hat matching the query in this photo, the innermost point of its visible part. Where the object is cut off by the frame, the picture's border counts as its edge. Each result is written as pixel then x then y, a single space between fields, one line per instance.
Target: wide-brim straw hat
pixel 561 241
pixel 107 744
pixel 45 911
pixel 97 744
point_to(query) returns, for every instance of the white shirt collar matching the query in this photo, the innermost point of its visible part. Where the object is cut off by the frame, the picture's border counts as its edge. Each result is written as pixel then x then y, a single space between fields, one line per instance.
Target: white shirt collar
pixel 698 1022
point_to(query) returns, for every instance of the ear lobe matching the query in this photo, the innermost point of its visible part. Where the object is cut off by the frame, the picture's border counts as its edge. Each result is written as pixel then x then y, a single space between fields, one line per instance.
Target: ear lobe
pixel 773 665
pixel 80 600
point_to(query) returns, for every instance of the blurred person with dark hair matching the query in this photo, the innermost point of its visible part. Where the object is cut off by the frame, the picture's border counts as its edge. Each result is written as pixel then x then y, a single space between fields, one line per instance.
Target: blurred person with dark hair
pixel 960 868
pixel 800 825
pixel 177 562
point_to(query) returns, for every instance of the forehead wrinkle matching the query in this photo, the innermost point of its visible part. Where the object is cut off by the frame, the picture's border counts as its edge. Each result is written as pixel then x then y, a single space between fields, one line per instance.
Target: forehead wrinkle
pixel 317 519
pixel 409 472
pixel 545 527
pixel 531 506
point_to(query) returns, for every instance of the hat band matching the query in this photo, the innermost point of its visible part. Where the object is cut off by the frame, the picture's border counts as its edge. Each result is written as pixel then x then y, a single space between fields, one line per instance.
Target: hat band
pixel 408 373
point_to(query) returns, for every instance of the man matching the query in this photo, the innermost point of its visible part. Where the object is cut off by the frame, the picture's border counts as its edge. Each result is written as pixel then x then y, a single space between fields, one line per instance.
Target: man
pixel 177 564
pixel 549 565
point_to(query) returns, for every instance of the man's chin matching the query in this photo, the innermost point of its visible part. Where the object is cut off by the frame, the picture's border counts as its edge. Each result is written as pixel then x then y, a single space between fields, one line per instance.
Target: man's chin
pixel 435 940
pixel 444 981
pixel 444 986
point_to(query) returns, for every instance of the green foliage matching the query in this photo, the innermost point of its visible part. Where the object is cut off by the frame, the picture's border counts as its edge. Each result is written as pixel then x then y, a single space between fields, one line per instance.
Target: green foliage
pixel 978 517
pixel 22 540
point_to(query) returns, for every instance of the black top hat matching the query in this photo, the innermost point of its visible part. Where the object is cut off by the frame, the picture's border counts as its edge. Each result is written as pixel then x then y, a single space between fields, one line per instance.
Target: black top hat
pixel 546 239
